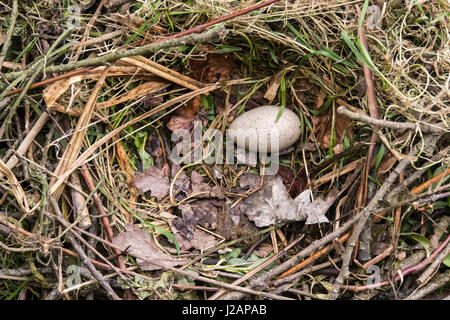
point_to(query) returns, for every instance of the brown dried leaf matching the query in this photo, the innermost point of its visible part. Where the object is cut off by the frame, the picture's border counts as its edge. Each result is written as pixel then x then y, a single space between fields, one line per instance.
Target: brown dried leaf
pixel 139 243
pixel 292 182
pixel 216 67
pixel 185 115
pixel 272 89
pixel 272 204
pixel 249 180
pixel 154 180
pixel 203 213
pixel 201 239
pixel 202 189
pixel 124 161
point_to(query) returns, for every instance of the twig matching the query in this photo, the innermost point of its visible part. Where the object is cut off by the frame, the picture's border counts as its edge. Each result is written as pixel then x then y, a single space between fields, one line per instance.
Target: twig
pixel 424 127
pixel 293 277
pixel 84 258
pixel 373 204
pixel 39 68
pixel 403 273
pixel 90 183
pixel 431 181
pixel 12 24
pixel 439 282
pixel 260 267
pixel 312 258
pixel 427 274
pixel 211 35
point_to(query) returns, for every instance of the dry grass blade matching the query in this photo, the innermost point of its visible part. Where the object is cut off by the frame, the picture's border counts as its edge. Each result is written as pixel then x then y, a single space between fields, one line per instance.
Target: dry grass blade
pixel 74 146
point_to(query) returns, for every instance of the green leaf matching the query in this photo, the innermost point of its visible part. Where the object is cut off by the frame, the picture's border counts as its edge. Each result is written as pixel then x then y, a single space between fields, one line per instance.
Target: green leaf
pixel 233 254
pixel 446 261
pixel 169 235
pixel 226 49
pixel 355 50
pixel 273 55
pixel 138 32
pixel 363 14
pixel 379 156
pixel 419 239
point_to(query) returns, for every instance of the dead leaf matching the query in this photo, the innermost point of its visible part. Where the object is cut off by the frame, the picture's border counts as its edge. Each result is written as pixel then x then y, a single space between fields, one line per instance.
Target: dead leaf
pixel 123 160
pixel 203 213
pixel 204 190
pixel 182 182
pixel 249 180
pixel 139 243
pixel 263 250
pixel 216 67
pixel 186 115
pixel 154 180
pixel 181 122
pixel 292 182
pixel 201 239
pixel 272 204
pixel 272 89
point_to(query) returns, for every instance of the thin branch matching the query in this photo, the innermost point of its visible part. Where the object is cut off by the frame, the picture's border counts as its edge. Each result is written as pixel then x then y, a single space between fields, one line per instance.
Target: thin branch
pixel 424 127
pixel 84 258
pixel 211 35
pixel 12 24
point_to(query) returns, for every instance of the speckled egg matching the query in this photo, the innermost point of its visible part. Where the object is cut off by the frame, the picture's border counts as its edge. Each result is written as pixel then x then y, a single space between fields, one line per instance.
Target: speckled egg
pixel 257 130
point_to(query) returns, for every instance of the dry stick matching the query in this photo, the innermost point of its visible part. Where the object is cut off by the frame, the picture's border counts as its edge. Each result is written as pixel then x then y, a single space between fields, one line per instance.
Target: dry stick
pixel 82 44
pixel 307 270
pixel 386 253
pixel 179 39
pixel 438 157
pixel 219 283
pixel 438 283
pixel 210 35
pixel 430 182
pixel 403 273
pixel 262 282
pixel 88 179
pixel 259 268
pixel 379 123
pixel 373 111
pixel 12 24
pixel 22 149
pixel 84 258
pixel 50 80
pixel 312 258
pixel 433 198
pixel 39 68
pixel 427 274
pixel 189 274
pixel 370 209
pixel 224 18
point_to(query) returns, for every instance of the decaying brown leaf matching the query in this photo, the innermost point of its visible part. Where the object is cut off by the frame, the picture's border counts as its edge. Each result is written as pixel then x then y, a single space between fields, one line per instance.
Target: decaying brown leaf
pixel 154 180
pixel 204 190
pixel 272 89
pixel 201 239
pixel 203 213
pixel 123 160
pixel 272 204
pixel 185 116
pixel 139 243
